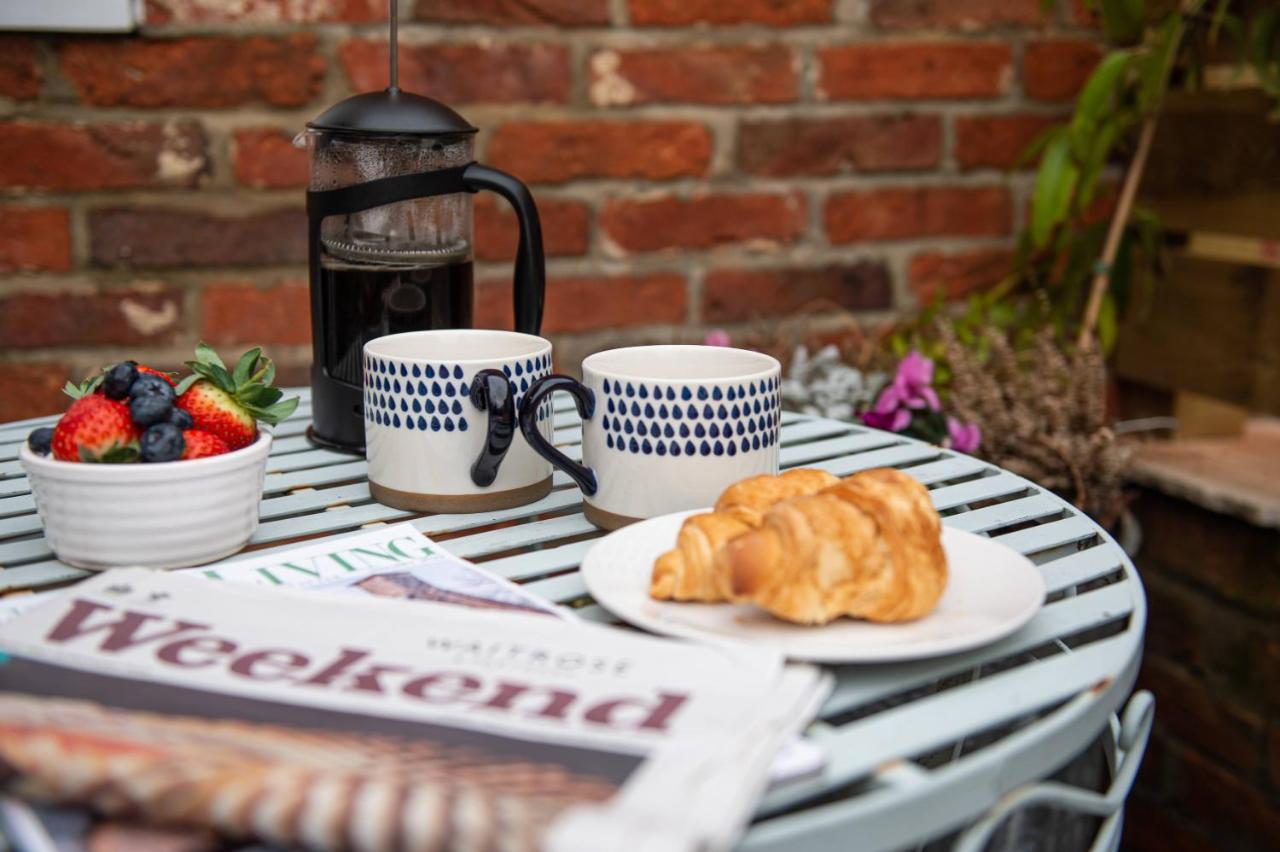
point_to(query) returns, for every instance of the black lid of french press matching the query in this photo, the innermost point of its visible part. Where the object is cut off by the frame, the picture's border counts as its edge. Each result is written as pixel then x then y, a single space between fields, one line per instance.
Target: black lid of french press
pixel 392 111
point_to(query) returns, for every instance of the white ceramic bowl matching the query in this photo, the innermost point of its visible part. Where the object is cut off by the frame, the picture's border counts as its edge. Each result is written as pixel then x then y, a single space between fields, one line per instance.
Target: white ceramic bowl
pixel 166 515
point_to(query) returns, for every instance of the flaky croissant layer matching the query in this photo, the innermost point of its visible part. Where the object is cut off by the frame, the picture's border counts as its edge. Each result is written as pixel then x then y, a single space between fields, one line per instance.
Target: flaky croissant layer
pixel 868 546
pixel 691 571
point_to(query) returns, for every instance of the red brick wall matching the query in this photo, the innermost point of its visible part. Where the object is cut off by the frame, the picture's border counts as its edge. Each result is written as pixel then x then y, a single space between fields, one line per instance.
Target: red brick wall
pixel 697 162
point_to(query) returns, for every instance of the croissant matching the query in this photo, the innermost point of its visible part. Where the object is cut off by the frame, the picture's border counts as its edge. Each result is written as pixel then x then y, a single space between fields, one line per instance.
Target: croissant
pixel 869 547
pixel 690 572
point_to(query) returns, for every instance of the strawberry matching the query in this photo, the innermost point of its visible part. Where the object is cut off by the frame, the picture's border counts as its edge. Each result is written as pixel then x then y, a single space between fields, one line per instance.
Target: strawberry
pixel 200 444
pixel 230 404
pixel 143 368
pixel 96 429
pixel 93 384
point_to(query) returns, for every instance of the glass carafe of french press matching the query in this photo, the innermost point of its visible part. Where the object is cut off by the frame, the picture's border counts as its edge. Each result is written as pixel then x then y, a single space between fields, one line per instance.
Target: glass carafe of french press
pixel 389 208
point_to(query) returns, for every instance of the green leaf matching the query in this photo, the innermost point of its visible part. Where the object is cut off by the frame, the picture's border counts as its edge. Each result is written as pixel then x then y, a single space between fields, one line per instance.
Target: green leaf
pixel 1095 103
pixel 1153 68
pixel 244 367
pixel 205 354
pixel 219 376
pixel 1219 17
pixel 185 384
pixel 259 395
pixel 1054 188
pixel 281 410
pixel 1104 142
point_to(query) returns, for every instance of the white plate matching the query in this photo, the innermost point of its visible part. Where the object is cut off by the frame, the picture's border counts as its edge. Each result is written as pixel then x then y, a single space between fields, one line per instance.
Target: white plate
pixel 991 592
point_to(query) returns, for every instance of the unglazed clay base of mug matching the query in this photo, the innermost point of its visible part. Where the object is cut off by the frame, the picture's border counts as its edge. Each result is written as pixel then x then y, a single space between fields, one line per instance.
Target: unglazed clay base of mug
pixel 606 520
pixel 460 502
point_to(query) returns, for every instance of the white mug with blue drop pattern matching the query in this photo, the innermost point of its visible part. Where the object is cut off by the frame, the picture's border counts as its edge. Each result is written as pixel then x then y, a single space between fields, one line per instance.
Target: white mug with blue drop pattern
pixel 665 428
pixel 440 416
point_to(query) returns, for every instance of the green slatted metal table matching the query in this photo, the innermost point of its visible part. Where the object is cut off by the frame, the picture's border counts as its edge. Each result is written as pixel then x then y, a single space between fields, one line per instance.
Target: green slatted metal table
pixel 915 751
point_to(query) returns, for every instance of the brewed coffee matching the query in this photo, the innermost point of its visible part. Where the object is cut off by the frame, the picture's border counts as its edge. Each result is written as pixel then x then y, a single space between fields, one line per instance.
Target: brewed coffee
pixel 365 300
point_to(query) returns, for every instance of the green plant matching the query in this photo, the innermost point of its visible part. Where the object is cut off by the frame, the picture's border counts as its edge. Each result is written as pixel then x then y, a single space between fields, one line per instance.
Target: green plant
pixel 1089 252
pixel 1086 268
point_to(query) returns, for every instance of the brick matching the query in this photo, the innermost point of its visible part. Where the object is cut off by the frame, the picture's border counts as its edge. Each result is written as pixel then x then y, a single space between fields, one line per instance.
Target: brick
pixel 914 70
pixel 1057 70
pixel 702 75
pixel 828 146
pixel 142 314
pixel 966 15
pixel 239 312
pixel 564 228
pixel 560 13
pixel 740 295
pixel 145 238
pixel 1176 626
pixel 1192 711
pixel 464 73
pixel 35 239
pixel 264 11
pixel 557 151
pixel 206 72
pixel 20 76
pixel 69 157
pixel 650 224
pixel 1216 552
pixel 1225 804
pixel 32 390
pixel 956 275
pixel 264 157
pixel 997 141
pixel 591 302
pixel 903 213
pixel 774 13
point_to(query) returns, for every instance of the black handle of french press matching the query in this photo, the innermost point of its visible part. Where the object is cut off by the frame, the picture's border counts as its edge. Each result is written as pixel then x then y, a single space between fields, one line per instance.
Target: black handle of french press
pixel 530 275
pixel 491 391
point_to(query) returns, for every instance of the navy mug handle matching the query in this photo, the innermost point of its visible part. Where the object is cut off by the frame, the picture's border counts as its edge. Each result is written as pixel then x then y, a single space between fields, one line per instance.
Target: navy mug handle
pixel 491 391
pixel 586 400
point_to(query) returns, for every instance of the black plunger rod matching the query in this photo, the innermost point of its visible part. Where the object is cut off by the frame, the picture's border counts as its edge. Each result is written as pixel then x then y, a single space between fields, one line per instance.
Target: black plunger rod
pixel 395 58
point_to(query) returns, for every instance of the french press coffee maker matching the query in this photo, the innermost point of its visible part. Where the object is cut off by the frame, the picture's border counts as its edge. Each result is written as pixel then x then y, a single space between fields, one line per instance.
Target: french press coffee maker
pixel 389 213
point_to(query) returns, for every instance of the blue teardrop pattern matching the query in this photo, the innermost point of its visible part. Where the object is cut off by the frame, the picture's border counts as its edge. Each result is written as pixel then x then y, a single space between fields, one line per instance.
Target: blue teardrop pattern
pixel 714 420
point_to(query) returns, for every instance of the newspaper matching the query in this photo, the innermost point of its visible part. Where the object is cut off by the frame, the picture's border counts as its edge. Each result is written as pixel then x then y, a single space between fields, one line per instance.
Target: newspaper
pixel 337 721
pixel 388 561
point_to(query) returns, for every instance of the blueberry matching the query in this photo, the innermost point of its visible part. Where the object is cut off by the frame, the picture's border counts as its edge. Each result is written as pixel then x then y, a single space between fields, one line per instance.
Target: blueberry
pixel 41 440
pixel 149 409
pixel 181 418
pixel 151 385
pixel 161 443
pixel 119 379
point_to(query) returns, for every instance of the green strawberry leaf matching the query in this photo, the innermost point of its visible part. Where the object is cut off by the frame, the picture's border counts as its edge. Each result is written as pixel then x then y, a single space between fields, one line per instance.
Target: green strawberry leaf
pixel 185 384
pixel 259 396
pixel 115 455
pixel 218 375
pixel 244 367
pixel 281 410
pixel 266 371
pixel 205 354
pixel 88 386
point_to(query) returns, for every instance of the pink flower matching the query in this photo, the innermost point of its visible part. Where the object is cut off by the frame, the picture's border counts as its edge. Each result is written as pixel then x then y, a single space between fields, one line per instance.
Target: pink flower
pixel 963 437
pixel 717 337
pixel 915 370
pixel 912 383
pixel 892 420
